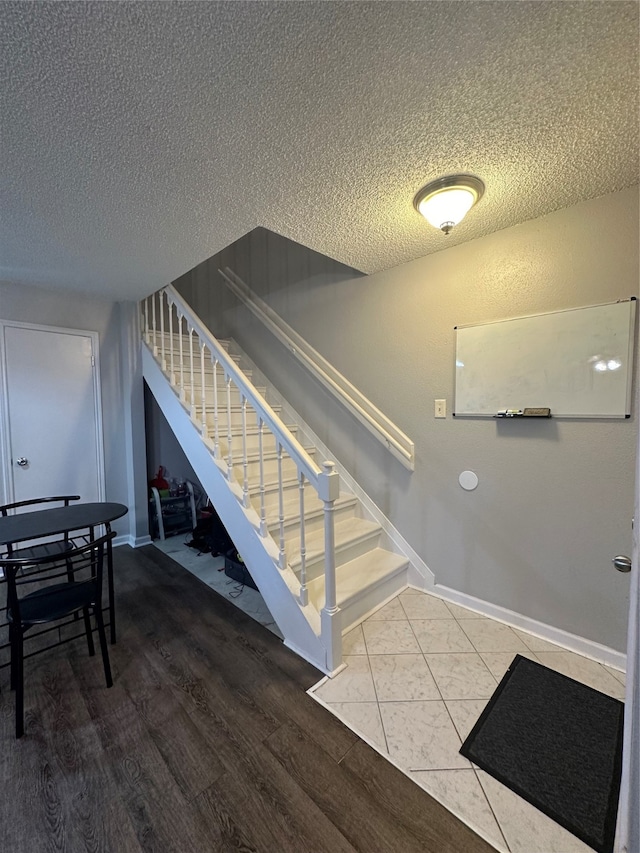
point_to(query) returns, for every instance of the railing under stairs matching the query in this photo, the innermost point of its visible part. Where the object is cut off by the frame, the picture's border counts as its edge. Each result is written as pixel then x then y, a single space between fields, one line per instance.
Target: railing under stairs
pixel 222 409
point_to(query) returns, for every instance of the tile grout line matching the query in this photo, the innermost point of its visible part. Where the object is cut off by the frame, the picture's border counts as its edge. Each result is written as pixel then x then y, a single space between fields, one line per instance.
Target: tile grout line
pixel 375 690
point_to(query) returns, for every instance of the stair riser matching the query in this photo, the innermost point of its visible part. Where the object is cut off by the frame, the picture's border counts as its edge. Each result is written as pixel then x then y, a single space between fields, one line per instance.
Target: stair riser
pixel 236 397
pixel 236 417
pixel 270 466
pixel 186 358
pixel 197 376
pixel 253 442
pixel 313 524
pixel 372 598
pixel 195 343
pixel 344 553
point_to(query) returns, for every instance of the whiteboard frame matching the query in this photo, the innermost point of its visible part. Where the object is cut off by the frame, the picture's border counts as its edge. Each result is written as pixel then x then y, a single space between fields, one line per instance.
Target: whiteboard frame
pixel 630 361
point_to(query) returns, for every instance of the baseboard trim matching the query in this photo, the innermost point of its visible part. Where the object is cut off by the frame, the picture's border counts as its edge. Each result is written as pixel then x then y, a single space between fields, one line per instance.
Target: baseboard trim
pixel 132 541
pixel 572 642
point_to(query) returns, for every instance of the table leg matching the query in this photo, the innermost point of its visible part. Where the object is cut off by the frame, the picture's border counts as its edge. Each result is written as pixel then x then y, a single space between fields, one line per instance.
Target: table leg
pixel 112 609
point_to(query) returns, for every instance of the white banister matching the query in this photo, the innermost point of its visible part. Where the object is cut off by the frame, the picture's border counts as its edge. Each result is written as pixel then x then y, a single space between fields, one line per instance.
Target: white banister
pixel 375 421
pixel 324 480
pixel 271 420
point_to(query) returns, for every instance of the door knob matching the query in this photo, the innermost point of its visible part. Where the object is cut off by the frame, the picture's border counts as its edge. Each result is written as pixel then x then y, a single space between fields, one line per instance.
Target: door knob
pixel 22 461
pixel 622 563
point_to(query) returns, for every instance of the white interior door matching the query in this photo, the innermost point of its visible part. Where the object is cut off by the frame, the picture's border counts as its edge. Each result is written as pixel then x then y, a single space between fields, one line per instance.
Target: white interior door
pixel 52 413
pixel 628 829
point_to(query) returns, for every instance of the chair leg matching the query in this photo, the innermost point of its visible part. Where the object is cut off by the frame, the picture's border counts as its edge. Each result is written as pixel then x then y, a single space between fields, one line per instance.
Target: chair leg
pixel 103 645
pixel 13 657
pixel 87 628
pixel 17 666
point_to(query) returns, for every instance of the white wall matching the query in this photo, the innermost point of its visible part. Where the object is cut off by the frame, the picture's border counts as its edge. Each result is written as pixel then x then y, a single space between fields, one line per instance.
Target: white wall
pixel 555 498
pixel 121 384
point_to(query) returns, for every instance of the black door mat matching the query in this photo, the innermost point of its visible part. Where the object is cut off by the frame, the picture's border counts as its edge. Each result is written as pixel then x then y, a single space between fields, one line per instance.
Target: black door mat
pixel 558 744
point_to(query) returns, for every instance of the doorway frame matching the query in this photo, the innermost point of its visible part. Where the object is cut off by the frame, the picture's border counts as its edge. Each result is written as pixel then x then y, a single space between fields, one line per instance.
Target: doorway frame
pixel 6 478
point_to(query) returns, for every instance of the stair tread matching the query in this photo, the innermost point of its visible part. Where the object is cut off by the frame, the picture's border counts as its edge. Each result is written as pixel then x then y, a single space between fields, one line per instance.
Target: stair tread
pixel 358 575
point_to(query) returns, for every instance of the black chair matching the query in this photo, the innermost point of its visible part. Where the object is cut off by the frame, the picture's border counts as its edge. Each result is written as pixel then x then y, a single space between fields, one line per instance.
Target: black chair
pixel 46 549
pixel 82 566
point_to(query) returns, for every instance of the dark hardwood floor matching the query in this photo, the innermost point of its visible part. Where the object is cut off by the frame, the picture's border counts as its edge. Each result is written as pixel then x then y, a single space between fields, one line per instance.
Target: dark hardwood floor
pixel 206 742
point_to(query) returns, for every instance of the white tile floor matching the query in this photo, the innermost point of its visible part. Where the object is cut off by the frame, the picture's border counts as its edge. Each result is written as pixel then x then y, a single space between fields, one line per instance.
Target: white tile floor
pixel 419 672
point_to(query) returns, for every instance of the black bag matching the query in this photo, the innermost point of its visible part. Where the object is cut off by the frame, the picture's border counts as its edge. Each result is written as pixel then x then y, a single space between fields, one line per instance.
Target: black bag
pixel 235 569
pixel 210 536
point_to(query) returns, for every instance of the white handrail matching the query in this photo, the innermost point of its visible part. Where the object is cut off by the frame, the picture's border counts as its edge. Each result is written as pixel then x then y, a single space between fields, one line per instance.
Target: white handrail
pixel 295 450
pixel 378 424
pixel 324 480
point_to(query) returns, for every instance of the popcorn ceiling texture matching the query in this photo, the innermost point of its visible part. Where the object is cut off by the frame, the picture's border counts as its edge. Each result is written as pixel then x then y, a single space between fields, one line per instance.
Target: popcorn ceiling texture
pixel 139 139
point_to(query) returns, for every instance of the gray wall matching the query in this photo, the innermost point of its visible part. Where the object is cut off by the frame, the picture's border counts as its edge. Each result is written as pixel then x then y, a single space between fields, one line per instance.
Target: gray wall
pixel 163 447
pixel 555 498
pixel 120 379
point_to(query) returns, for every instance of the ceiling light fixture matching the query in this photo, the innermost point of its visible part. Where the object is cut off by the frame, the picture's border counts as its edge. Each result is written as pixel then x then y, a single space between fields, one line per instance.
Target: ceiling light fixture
pixel 446 201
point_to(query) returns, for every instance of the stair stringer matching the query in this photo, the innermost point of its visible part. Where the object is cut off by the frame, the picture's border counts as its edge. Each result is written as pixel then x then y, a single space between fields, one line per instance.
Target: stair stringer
pixel 299 624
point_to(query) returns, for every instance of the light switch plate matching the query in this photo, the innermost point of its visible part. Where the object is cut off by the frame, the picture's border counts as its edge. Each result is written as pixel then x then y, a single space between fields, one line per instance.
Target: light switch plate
pixel 440 409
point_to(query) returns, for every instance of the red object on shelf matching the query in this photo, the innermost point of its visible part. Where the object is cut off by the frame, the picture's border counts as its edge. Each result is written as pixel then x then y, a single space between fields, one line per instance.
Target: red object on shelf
pixel 159 481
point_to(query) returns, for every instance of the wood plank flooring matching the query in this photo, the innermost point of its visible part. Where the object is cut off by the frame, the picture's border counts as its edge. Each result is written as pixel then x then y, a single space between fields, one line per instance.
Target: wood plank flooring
pixel 206 742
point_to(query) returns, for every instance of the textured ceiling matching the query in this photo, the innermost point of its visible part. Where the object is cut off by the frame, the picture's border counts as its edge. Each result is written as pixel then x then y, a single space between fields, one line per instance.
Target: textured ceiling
pixel 139 139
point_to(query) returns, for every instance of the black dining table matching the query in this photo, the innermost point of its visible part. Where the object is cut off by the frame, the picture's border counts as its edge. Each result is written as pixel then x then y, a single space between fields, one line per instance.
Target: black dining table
pixel 37 524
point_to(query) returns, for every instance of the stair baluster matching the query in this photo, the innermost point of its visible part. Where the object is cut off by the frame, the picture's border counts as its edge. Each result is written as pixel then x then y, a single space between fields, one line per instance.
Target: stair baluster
pixel 155 325
pixel 180 318
pixel 205 431
pixel 328 490
pixel 245 461
pixel 163 361
pixel 172 377
pixel 227 378
pixel 283 556
pixel 264 530
pixel 304 595
pixel 145 320
pixel 192 395
pixel 216 426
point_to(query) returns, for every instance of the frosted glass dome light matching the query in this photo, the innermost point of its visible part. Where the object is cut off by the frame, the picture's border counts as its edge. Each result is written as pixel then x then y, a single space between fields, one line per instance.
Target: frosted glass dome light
pixel 446 201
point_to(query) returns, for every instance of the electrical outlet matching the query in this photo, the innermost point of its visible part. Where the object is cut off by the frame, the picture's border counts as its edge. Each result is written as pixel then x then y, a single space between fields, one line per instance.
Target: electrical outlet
pixel 440 409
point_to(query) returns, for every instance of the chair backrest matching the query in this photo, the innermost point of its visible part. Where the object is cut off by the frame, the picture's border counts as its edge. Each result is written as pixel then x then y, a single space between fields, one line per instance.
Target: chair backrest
pixel 65 499
pixel 82 563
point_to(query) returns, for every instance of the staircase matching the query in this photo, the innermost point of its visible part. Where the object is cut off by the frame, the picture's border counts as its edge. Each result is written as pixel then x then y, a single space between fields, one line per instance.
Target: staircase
pixel 319 558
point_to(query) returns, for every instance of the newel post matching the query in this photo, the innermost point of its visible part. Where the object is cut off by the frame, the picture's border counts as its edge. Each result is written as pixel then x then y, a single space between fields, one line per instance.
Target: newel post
pixel 329 491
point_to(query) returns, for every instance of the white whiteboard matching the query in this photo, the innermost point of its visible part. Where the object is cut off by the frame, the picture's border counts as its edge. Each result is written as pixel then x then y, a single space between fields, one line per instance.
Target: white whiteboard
pixel 578 363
